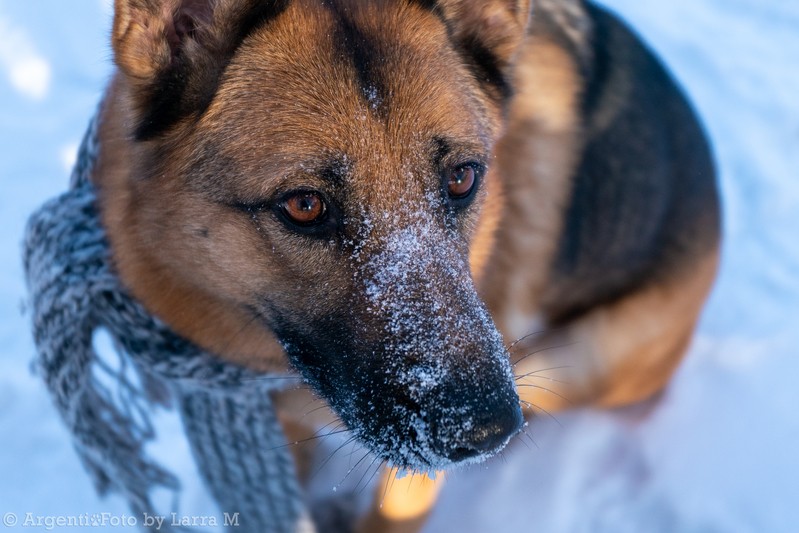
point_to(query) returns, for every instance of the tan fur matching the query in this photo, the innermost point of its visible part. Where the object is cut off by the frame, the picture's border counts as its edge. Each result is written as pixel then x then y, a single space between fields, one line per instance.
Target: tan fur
pixel 484 241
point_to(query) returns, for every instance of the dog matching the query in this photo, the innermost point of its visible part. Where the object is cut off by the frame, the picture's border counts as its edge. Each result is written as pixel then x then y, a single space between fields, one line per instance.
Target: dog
pixel 407 201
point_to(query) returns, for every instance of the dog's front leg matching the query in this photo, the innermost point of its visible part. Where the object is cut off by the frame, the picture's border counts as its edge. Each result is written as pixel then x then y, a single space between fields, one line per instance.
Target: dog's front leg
pixel 402 503
pixel 618 354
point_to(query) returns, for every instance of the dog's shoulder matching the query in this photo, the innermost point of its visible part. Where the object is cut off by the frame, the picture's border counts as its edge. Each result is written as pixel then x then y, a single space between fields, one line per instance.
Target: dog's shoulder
pixel 609 183
pixel 643 206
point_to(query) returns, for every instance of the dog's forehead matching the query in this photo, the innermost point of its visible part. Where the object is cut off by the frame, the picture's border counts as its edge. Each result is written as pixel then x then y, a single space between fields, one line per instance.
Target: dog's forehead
pixel 373 81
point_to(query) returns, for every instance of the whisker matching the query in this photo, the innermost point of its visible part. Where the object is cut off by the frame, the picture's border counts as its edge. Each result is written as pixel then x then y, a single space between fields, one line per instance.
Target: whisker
pixel 364 474
pixel 315 409
pixel 543 350
pixel 336 421
pixel 545 389
pixel 555 330
pixel 512 345
pixel 338 426
pixel 391 478
pixel 408 488
pixel 236 335
pixel 529 374
pixel 547 378
pixel 270 378
pixel 351 470
pixel 534 406
pixel 329 457
pixel 312 401
pixel 309 439
pixel 525 443
pixel 526 434
pixel 379 467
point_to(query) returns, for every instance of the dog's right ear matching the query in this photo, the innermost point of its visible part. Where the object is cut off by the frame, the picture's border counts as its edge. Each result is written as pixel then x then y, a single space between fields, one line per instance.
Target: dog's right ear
pixel 149 35
pixel 173 53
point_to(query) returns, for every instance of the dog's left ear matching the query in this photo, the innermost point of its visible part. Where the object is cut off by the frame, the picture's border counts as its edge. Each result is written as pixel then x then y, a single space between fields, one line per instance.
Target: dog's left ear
pixel 491 31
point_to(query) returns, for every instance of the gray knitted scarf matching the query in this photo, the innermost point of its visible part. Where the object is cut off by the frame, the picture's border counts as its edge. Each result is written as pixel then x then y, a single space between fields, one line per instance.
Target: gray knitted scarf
pixel 227 412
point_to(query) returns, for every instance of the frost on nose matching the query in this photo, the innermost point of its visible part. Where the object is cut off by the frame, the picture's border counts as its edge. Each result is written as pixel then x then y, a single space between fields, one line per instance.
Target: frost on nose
pixel 472 419
pixel 441 346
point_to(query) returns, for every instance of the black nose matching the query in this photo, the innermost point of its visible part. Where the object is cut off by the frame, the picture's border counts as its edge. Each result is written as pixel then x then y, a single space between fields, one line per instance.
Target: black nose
pixel 480 427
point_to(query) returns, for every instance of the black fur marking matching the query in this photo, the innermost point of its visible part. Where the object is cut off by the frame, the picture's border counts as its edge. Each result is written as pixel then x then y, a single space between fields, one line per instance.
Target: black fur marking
pixel 366 57
pixel 441 149
pixel 428 5
pixel 189 86
pixel 644 200
pixel 485 66
pixel 335 173
pixel 259 16
pixel 165 104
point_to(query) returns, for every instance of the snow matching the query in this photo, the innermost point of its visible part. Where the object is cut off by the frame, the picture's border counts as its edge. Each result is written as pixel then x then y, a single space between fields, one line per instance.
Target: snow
pixel 716 453
pixel 28 72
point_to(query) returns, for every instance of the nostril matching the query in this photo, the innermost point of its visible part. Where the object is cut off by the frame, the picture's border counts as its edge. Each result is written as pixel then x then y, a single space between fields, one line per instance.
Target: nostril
pixel 461 454
pixel 488 437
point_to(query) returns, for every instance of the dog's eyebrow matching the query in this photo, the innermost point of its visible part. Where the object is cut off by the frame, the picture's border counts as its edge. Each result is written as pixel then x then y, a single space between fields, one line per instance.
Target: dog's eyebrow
pixel 334 172
pixel 441 147
pixel 444 146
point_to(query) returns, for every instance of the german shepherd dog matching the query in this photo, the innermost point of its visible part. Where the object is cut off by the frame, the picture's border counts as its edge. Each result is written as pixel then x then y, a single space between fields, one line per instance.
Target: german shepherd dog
pixel 384 195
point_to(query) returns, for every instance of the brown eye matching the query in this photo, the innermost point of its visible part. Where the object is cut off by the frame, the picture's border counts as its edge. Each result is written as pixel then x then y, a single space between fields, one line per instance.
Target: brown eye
pixel 304 208
pixel 461 181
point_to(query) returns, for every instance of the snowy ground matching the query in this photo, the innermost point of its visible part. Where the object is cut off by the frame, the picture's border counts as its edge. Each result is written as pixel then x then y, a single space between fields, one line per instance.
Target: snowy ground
pixel 718 453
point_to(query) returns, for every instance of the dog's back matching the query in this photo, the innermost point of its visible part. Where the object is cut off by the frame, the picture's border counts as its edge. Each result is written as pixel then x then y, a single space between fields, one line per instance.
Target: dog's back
pixel 618 220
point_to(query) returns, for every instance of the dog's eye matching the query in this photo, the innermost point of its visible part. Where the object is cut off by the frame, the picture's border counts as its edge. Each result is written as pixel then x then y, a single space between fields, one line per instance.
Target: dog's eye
pixel 462 181
pixel 304 208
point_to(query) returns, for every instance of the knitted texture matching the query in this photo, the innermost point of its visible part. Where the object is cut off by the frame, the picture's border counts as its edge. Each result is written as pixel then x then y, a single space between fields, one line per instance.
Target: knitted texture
pixel 227 411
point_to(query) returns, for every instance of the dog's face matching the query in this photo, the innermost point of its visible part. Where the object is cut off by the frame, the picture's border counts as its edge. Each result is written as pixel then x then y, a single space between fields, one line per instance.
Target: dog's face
pixel 324 165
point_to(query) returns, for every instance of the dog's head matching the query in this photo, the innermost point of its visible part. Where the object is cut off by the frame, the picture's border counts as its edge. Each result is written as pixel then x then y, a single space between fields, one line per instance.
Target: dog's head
pixel 323 165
